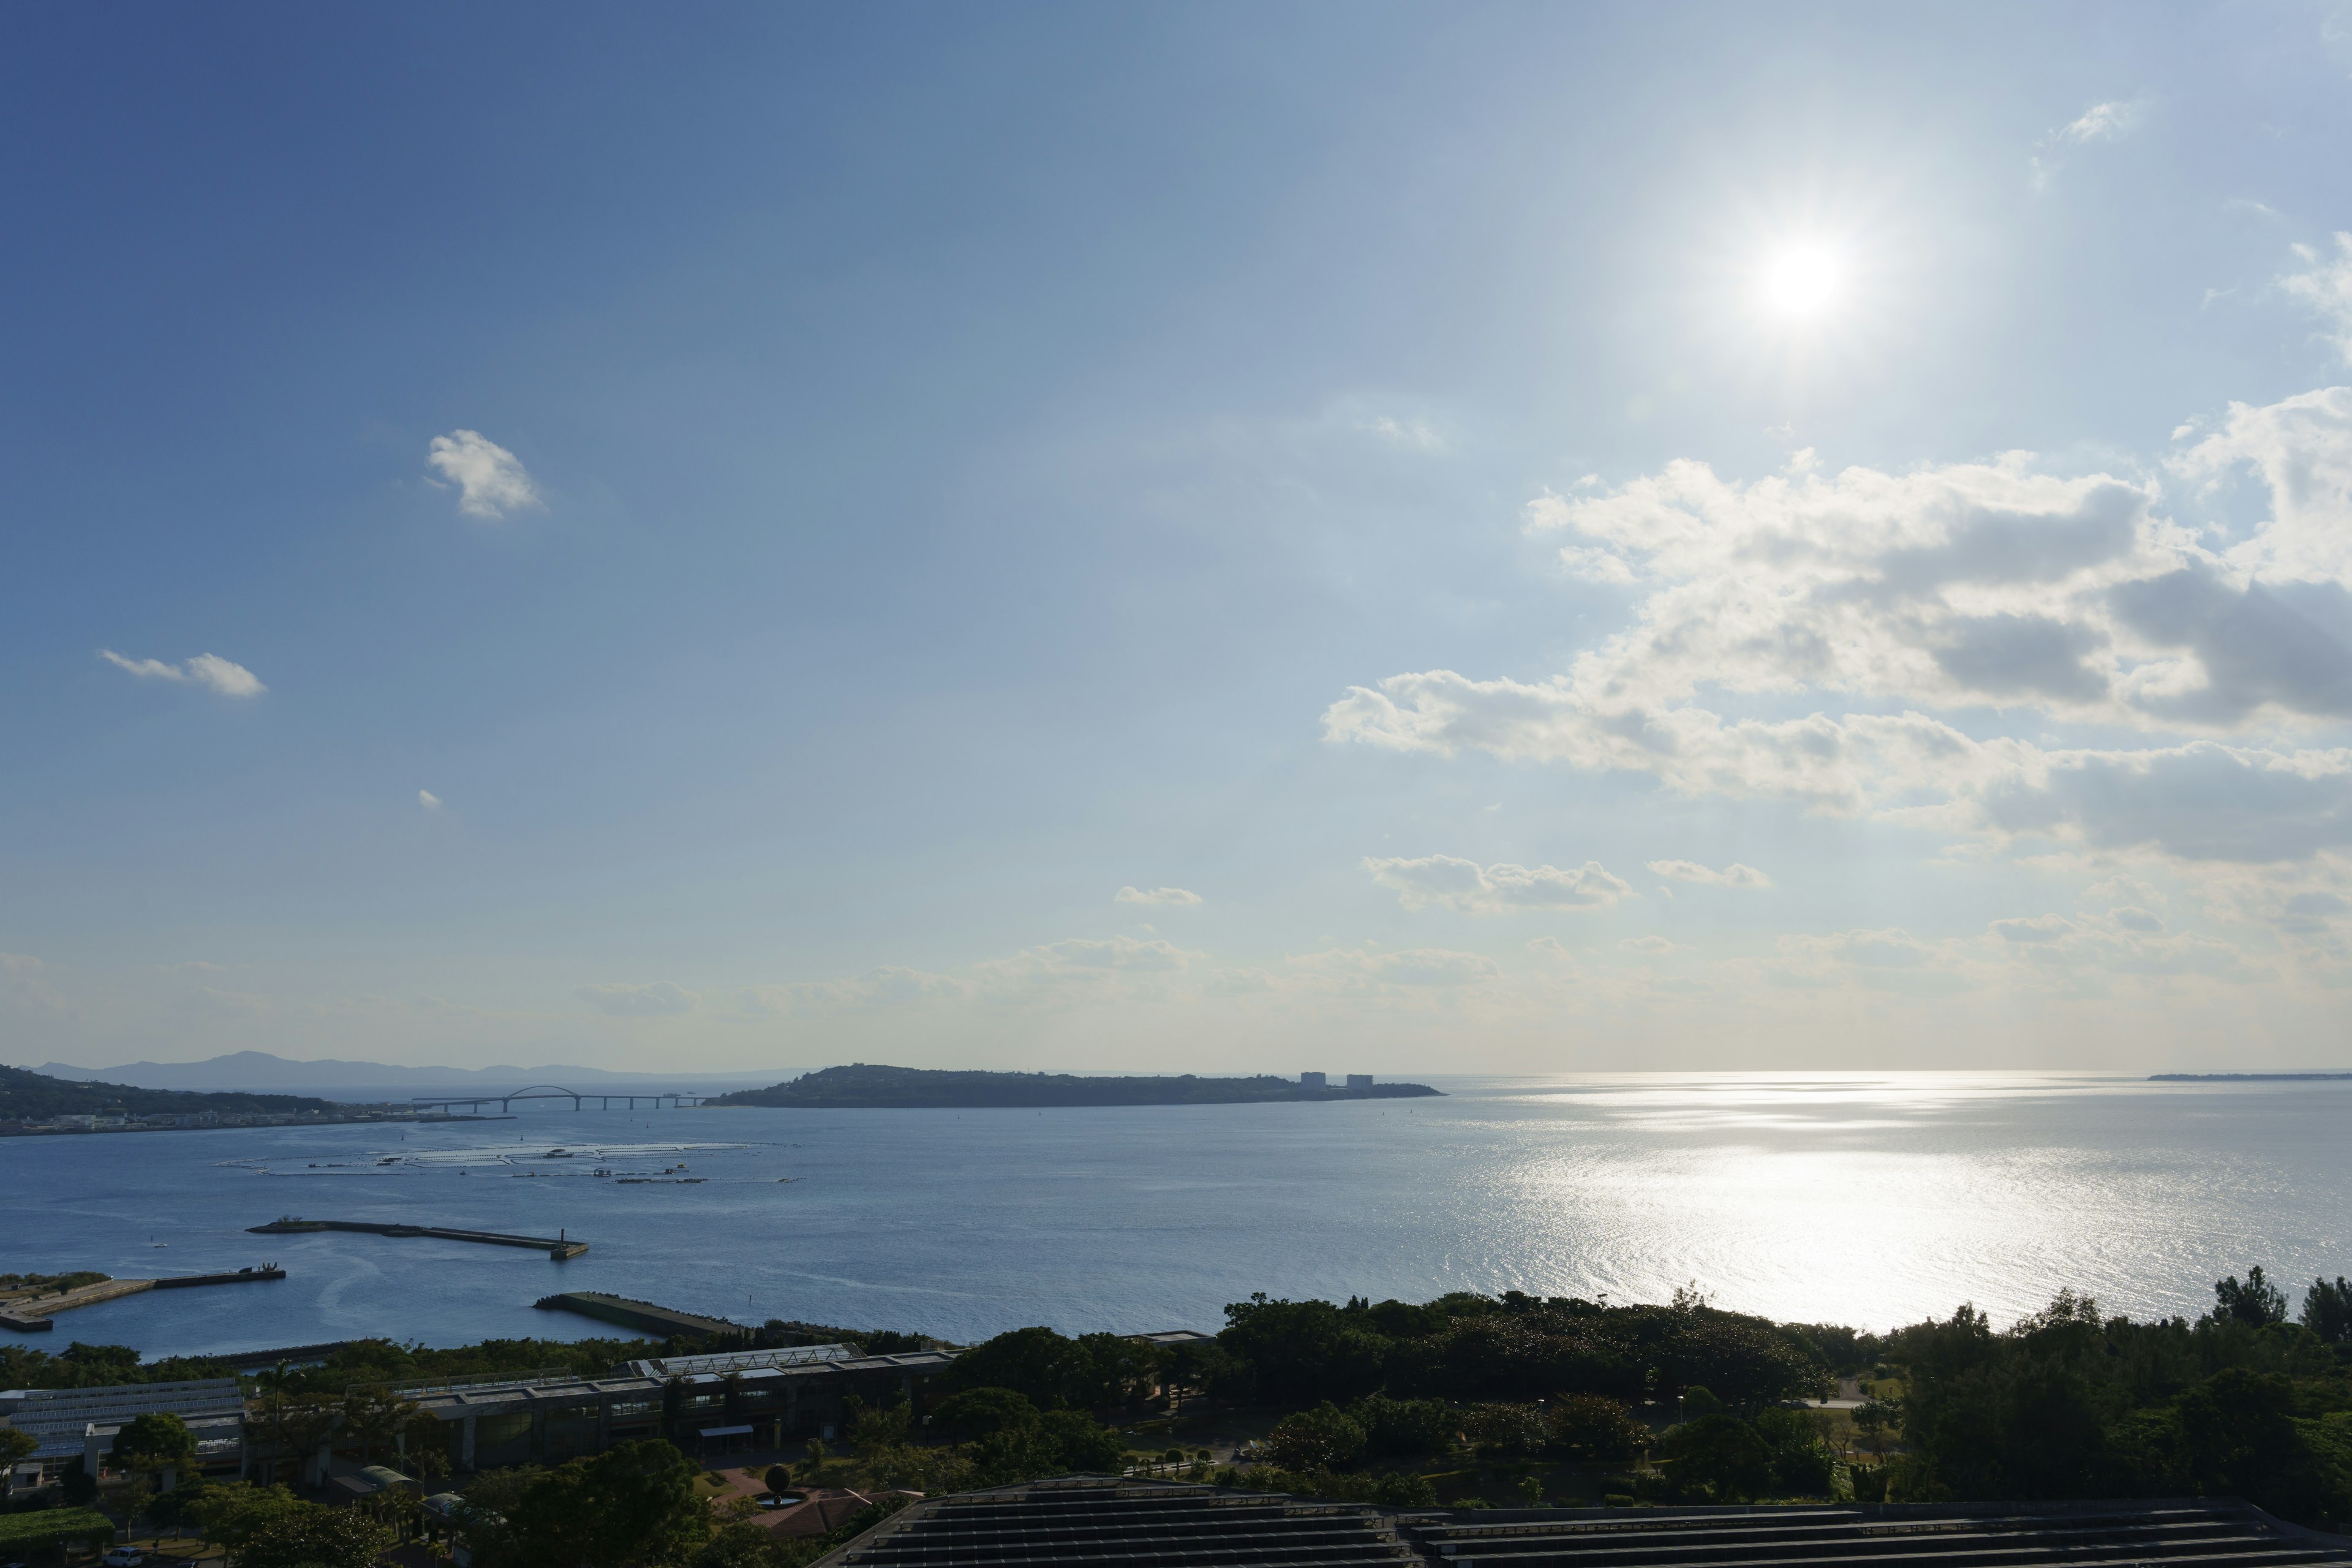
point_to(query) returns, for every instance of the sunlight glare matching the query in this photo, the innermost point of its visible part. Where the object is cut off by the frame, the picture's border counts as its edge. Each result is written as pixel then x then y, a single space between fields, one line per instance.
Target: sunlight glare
pixel 1803 279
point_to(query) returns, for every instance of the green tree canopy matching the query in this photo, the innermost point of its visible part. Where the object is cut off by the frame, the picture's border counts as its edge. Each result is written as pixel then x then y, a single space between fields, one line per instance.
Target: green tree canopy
pixel 983 1412
pixel 1322 1438
pixel 309 1536
pixel 14 1446
pixel 154 1441
pixel 2257 1303
pixel 2328 1310
pixel 632 1506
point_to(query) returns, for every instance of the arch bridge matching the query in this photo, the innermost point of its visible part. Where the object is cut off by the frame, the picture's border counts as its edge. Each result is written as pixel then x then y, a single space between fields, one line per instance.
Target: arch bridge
pixel 505 1098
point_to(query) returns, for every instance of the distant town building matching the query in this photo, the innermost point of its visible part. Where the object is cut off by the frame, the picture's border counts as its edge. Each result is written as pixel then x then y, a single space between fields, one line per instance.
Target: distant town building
pixel 1360 1081
pixel 1311 1080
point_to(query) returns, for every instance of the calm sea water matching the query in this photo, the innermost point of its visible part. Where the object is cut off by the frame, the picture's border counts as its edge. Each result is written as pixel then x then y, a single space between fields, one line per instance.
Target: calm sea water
pixel 1869 1200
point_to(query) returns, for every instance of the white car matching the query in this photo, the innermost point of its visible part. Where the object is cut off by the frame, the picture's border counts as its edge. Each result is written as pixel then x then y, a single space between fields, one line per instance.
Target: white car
pixel 125 1557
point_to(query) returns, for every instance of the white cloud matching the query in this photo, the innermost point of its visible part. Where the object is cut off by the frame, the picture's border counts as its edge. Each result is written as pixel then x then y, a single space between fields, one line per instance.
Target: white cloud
pixel 2326 288
pixel 2101 122
pixel 1989 588
pixel 1732 876
pixel 428 800
pixel 1409 435
pixel 658 999
pixel 1155 896
pixel 490 479
pixel 1467 888
pixel 209 670
pixel 1650 946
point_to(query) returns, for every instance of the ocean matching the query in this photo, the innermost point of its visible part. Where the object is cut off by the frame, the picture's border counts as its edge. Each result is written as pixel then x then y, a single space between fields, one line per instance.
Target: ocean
pixel 1865 1199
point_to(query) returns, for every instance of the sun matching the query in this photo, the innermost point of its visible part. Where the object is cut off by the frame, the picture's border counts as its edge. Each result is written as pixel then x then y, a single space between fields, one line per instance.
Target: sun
pixel 1803 279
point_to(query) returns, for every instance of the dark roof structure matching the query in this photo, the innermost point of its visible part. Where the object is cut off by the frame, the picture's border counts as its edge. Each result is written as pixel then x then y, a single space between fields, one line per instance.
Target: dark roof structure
pixel 1086 1520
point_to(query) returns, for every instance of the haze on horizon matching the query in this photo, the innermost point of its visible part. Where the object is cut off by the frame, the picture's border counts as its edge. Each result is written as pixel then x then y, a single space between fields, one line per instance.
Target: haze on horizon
pixel 1396 538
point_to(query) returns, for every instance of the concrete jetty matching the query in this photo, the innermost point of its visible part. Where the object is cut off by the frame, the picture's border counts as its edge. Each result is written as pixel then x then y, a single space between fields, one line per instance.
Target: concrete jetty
pixel 32 1315
pixel 641 1316
pixel 556 1248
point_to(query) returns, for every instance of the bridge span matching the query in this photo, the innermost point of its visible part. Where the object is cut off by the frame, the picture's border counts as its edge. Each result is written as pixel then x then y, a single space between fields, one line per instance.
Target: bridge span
pixel 504 1098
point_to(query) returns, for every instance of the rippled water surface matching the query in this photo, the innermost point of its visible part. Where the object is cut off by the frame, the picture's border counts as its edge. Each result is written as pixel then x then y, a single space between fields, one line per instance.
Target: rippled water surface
pixel 1868 1200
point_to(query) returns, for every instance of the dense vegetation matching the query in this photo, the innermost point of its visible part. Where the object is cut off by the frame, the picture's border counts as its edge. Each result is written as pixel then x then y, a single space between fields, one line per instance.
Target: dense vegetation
pixel 861 1087
pixel 82 1365
pixel 1471 1395
pixel 27 1096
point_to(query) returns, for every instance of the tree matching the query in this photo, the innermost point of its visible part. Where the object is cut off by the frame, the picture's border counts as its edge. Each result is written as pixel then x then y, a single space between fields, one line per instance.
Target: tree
pixel 156 1441
pixel 1027 1360
pixel 1405 1428
pixel 1723 1456
pixel 632 1506
pixel 1085 1444
pixel 1497 1430
pixel 1875 1419
pixel 236 1514
pixel 1594 1429
pixel 2257 1303
pixel 1322 1438
pixel 882 1427
pixel 309 1536
pixel 16 1447
pixel 984 1412
pixel 2328 1310
pixel 379 1417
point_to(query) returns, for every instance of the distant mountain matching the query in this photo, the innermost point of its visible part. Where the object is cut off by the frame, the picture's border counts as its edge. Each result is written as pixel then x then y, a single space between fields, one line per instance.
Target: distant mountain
pixel 864 1088
pixel 250 1070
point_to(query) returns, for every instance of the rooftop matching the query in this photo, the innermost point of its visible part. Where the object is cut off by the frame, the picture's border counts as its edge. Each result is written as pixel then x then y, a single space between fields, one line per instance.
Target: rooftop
pixel 1091 1520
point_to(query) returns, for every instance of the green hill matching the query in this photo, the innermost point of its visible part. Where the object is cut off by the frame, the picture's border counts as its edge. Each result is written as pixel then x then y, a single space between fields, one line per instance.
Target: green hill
pixel 36 1096
pixel 861 1087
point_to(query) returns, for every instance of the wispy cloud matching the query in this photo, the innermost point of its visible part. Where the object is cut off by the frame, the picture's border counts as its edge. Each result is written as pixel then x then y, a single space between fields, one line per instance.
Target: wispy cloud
pixel 658 999
pixel 490 480
pixel 1732 876
pixel 1470 888
pixel 2325 287
pixel 209 670
pixel 1409 435
pixel 1155 896
pixel 2100 122
pixel 428 800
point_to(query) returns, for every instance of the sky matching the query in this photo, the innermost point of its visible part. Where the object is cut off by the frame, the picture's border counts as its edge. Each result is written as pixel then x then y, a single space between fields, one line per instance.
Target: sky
pixel 1383 538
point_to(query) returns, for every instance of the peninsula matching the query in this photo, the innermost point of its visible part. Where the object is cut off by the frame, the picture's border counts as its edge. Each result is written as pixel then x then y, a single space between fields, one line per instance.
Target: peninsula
pixel 861 1087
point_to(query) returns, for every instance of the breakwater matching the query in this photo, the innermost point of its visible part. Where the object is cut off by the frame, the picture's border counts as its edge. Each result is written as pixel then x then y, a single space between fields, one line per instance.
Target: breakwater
pixel 558 1247
pixel 32 1317
pixel 642 1316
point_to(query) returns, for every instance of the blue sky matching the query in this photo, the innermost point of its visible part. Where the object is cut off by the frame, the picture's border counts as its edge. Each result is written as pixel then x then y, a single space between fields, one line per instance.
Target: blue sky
pixel 1523 537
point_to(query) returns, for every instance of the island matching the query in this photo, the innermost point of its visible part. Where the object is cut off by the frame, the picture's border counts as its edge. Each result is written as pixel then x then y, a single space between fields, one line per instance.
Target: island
pixel 2248 1076
pixel 866 1087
